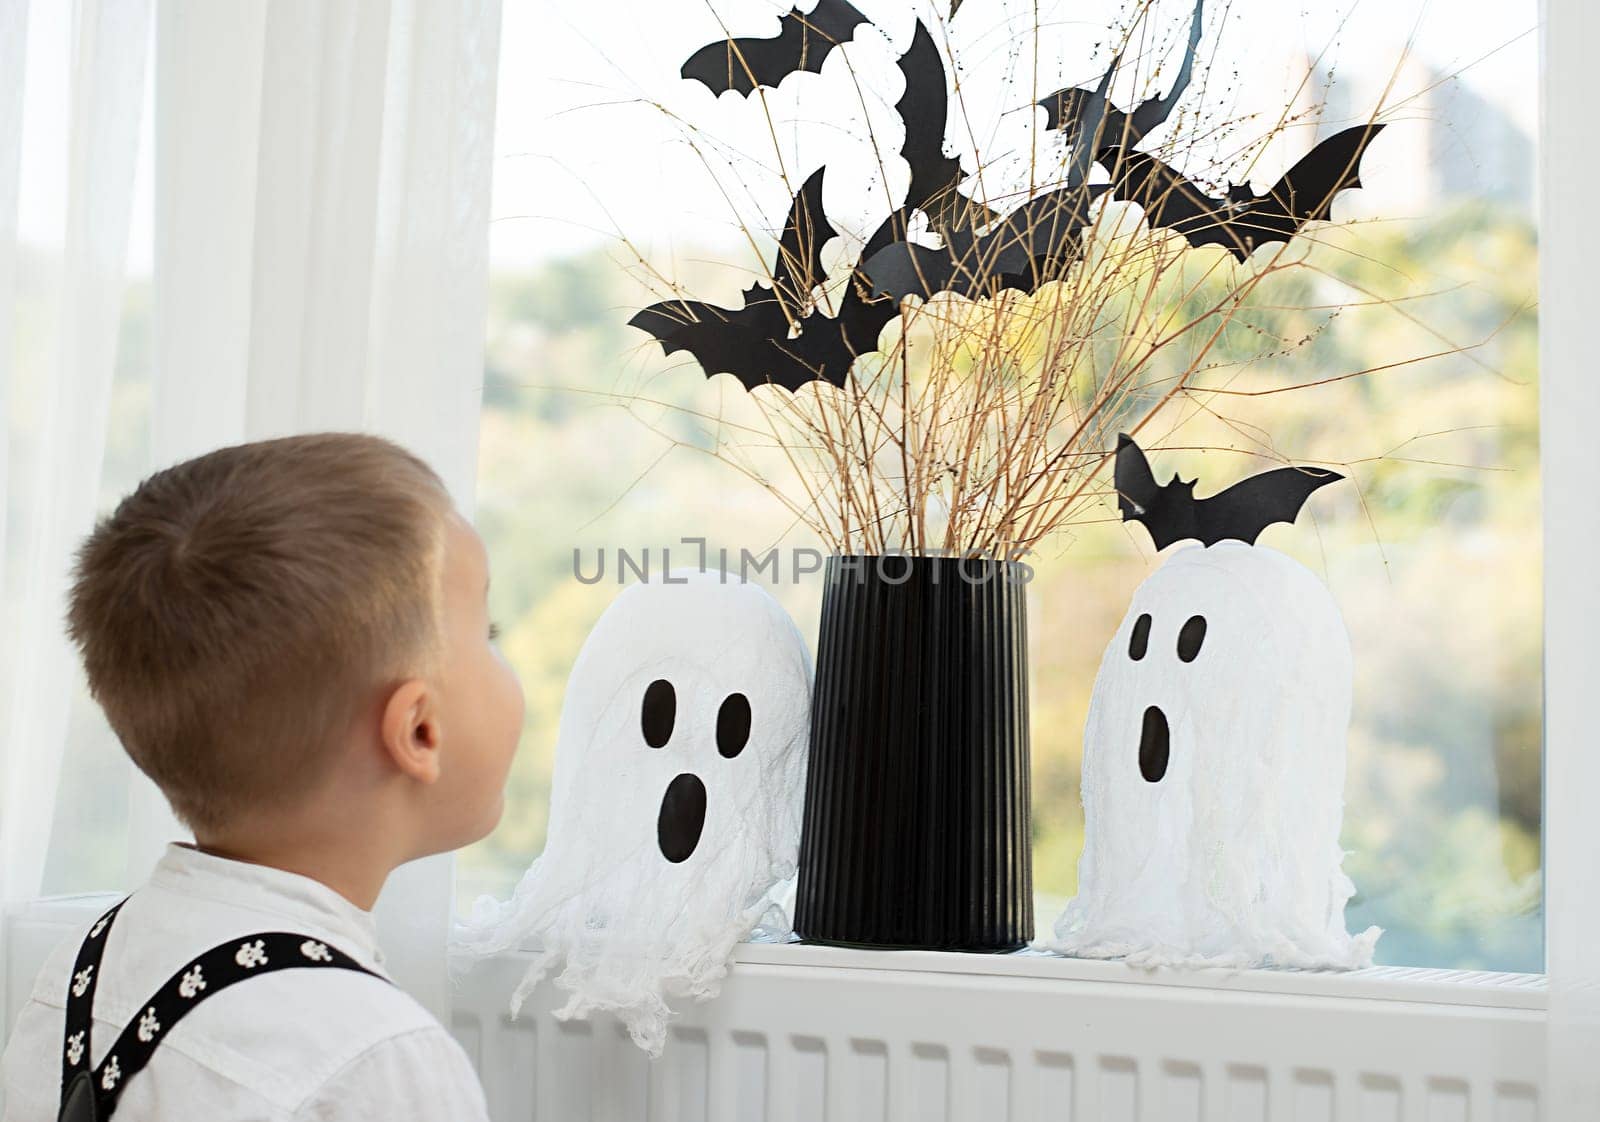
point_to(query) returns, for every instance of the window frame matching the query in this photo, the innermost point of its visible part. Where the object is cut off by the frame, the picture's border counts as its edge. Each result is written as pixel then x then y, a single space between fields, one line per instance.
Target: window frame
pixel 1569 407
pixel 1569 454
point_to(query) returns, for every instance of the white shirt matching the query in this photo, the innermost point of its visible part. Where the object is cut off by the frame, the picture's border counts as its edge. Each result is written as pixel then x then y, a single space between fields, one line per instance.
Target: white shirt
pixel 297 1045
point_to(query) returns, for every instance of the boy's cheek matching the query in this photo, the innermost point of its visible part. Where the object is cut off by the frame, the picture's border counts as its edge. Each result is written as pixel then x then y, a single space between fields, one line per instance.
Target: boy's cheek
pixel 521 696
pixel 491 819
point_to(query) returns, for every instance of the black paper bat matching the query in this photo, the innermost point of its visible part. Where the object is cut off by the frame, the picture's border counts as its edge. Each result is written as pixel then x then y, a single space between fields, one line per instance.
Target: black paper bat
pixel 1070 111
pixel 753 342
pixel 1171 513
pixel 924 108
pixel 1241 219
pixel 1021 251
pixel 803 41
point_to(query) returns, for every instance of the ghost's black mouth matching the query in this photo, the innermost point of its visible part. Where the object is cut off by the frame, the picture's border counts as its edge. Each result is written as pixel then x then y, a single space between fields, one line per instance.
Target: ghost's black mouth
pixel 1154 745
pixel 683 816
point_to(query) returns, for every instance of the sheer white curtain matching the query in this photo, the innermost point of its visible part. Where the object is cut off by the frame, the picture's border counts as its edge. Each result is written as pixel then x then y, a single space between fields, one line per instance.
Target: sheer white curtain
pixel 319 232
pixel 55 370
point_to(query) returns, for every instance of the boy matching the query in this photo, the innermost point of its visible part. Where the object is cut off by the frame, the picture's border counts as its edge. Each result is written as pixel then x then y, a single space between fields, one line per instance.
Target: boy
pixel 291 639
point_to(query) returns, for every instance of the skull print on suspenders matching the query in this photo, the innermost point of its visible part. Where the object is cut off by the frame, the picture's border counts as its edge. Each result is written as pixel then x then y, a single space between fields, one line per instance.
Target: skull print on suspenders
pixel 90 1093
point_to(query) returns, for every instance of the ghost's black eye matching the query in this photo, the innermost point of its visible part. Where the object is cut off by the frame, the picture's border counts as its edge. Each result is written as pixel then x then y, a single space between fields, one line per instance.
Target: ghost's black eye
pixel 1140 640
pixel 1190 638
pixel 733 725
pixel 660 709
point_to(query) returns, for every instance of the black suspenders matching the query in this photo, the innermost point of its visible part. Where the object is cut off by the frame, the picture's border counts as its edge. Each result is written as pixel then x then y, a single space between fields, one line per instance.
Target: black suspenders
pixel 91 1095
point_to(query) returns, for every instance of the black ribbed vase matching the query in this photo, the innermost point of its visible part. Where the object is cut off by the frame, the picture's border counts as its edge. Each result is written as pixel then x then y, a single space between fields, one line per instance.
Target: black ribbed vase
pixel 917 795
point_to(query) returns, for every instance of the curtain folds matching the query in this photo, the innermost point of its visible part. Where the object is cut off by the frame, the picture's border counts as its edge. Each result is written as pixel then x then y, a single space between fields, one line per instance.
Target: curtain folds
pixel 318 232
pixel 57 372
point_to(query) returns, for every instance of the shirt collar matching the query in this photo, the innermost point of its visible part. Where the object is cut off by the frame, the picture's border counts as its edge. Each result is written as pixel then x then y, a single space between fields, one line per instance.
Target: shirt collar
pixel 294 901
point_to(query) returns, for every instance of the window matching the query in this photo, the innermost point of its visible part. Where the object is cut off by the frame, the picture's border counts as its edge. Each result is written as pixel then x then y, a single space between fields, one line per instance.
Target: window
pixel 1434 557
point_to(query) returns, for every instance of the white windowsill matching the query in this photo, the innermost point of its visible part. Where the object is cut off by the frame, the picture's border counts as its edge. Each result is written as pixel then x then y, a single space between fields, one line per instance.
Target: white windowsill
pixel 1480 989
pixel 1484 989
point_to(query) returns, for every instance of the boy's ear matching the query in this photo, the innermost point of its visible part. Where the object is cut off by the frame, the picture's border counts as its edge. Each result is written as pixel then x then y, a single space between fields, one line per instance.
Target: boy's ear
pixel 410 730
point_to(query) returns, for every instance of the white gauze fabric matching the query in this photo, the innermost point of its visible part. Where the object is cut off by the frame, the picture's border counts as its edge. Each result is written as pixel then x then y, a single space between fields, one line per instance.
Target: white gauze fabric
pixel 1231 857
pixel 685 698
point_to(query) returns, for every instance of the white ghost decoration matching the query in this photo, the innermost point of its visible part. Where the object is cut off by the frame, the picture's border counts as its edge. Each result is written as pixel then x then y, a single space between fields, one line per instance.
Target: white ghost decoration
pixel 675 803
pixel 1213 772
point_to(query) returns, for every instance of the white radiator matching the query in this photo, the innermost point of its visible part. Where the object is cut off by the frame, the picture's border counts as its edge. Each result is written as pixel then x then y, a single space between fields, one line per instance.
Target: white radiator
pixel 811 1034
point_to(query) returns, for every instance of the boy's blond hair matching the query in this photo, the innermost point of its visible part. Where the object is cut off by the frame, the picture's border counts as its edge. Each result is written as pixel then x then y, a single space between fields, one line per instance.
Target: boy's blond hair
pixel 237 611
